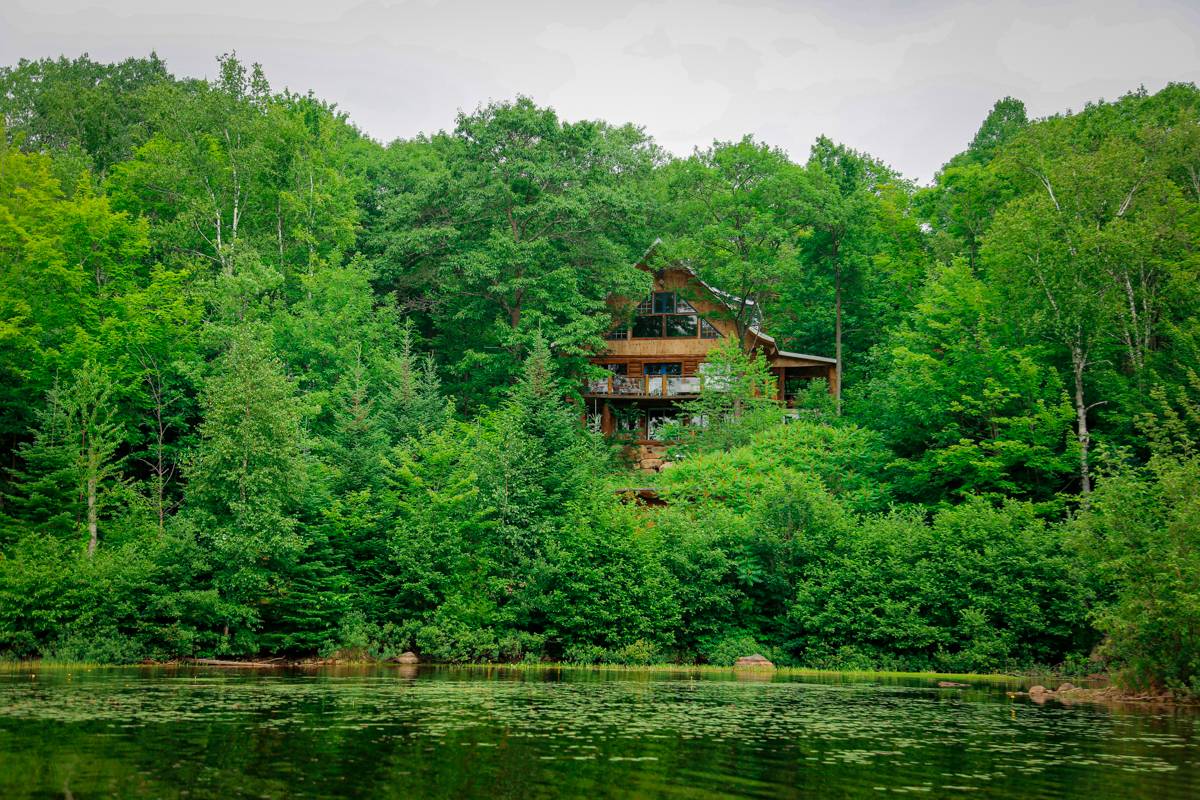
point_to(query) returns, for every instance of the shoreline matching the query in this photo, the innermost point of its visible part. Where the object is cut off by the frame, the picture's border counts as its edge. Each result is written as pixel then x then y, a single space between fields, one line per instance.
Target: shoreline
pixel 18 666
pixel 1103 691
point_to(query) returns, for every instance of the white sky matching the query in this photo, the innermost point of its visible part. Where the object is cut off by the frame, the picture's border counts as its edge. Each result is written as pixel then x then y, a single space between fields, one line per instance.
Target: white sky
pixel 909 81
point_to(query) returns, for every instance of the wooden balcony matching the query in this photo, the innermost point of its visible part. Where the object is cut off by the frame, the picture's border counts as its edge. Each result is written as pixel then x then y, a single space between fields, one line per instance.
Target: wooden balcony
pixel 644 386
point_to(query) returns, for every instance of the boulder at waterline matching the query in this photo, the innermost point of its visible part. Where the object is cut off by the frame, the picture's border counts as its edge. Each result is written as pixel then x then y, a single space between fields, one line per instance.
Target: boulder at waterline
pixel 755 660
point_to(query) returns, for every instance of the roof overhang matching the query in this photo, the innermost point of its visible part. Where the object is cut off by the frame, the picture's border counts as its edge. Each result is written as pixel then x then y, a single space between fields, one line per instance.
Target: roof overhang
pixel 726 297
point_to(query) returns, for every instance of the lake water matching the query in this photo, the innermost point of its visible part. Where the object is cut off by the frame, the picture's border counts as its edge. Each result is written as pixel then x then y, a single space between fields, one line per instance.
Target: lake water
pixel 430 732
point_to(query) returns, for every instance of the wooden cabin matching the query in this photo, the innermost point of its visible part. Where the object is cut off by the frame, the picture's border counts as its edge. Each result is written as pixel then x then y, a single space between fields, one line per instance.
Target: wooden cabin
pixel 659 359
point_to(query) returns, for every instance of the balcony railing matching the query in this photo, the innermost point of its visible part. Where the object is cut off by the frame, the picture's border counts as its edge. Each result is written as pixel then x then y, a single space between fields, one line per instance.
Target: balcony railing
pixel 646 385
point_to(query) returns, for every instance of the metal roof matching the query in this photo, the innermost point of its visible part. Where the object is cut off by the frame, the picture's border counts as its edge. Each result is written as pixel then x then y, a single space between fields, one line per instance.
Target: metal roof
pixel 721 295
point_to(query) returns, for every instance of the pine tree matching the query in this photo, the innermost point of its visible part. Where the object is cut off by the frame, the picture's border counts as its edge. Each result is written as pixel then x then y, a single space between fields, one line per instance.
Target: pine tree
pixel 247 475
pixel 359 440
pixel 71 469
pixel 414 402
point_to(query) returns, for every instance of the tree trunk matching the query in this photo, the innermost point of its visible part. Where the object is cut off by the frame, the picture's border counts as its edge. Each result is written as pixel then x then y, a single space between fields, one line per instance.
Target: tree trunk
pixel 837 293
pixel 159 468
pixel 93 515
pixel 160 481
pixel 1078 362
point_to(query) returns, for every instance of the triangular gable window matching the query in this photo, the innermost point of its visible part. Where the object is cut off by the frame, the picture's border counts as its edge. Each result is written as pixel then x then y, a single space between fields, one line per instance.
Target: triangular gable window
pixel 683 306
pixel 708 331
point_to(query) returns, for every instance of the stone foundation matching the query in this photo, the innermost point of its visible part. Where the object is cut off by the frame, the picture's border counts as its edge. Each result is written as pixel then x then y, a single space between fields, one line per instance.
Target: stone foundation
pixel 648 458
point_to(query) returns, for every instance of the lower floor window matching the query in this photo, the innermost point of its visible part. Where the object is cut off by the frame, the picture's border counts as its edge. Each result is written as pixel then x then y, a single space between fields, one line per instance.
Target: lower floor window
pixel 669 368
pixel 796 380
pixel 627 420
pixel 659 420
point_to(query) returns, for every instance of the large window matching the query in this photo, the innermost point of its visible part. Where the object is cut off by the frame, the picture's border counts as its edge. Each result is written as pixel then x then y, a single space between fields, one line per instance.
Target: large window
pixel 797 379
pixel 681 325
pixel 650 327
pixel 666 315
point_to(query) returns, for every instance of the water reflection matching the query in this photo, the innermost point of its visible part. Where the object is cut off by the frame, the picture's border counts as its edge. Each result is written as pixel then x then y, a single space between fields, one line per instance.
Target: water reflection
pixel 500 732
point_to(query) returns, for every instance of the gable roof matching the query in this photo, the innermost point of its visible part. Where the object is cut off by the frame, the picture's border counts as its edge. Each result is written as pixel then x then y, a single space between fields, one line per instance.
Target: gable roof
pixel 725 298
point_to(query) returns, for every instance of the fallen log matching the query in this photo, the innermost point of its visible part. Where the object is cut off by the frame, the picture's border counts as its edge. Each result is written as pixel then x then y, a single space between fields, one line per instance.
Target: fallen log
pixel 212 662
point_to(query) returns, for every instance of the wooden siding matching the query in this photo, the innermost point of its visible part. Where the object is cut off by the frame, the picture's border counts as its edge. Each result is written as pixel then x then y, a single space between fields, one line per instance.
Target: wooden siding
pixel 692 352
pixel 651 349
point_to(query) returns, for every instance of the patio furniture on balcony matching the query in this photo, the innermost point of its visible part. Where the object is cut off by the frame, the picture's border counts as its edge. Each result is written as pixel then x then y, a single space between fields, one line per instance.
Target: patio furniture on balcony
pixel 645 386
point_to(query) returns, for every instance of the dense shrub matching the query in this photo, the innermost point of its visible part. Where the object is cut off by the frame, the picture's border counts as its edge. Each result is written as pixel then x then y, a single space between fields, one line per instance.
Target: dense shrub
pixel 977 589
pixel 1143 532
pixel 850 461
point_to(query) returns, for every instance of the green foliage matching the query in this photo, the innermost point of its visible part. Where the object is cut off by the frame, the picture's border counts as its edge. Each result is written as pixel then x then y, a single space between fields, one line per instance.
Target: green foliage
pixel 849 460
pixel 39 593
pixel 97 109
pixel 247 473
pixel 736 401
pixel 968 414
pixel 606 585
pixel 65 266
pixel 725 650
pixel 302 393
pixel 71 465
pixel 1006 119
pixel 514 222
pixel 1142 530
pixel 979 589
pixel 105 647
pixel 736 217
pixel 413 403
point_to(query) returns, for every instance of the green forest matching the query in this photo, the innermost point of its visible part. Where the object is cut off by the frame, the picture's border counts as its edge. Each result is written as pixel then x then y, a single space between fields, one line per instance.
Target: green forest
pixel 269 387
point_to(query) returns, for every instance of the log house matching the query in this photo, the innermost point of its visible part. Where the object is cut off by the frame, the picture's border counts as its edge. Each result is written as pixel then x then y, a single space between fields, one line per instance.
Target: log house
pixel 659 359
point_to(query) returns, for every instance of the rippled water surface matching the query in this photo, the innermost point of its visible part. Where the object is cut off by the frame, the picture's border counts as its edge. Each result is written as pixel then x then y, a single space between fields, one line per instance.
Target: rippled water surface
pixel 429 732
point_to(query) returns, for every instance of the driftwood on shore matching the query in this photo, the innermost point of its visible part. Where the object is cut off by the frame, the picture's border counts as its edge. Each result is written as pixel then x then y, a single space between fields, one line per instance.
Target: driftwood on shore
pixel 1069 692
pixel 212 662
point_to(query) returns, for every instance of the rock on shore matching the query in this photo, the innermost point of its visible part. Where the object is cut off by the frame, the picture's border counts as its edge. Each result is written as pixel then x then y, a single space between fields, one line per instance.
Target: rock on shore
pixel 1069 692
pixel 755 660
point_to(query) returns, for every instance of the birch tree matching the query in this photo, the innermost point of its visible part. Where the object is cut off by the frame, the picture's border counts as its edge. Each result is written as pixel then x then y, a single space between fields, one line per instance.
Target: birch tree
pixel 1076 255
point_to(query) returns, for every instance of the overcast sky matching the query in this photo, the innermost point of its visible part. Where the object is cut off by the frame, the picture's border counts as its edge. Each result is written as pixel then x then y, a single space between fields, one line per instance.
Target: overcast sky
pixel 908 81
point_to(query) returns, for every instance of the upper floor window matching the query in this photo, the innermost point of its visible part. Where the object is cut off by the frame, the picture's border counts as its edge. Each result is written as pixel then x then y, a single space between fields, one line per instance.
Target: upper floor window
pixel 648 327
pixel 665 315
pixel 683 326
